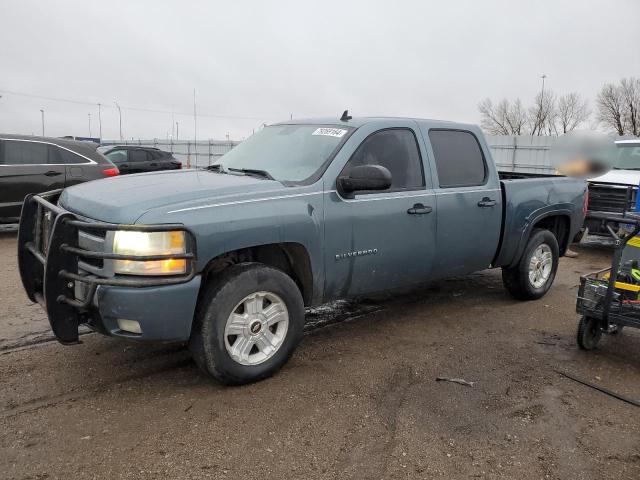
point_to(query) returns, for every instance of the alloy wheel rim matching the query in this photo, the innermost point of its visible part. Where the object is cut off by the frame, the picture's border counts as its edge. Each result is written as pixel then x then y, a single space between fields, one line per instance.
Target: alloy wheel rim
pixel 540 265
pixel 256 328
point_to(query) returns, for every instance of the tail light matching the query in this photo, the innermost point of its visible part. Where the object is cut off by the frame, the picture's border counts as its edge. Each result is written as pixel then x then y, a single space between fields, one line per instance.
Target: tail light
pixel 111 172
pixel 177 164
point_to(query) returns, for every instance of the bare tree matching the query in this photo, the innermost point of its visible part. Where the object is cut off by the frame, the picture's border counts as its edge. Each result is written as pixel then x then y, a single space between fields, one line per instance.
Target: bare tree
pixel 611 108
pixel 542 115
pixel 630 92
pixel 572 111
pixel 517 117
pixel 504 118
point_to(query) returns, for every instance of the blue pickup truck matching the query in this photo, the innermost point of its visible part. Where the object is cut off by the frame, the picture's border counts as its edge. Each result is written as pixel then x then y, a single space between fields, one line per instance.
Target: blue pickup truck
pixel 301 213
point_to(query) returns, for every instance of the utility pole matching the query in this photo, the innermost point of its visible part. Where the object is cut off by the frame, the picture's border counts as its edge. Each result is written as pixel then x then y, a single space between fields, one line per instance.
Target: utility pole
pixel 89 125
pixel 177 131
pixel 42 115
pixel 100 120
pixel 542 102
pixel 120 117
pixel 195 128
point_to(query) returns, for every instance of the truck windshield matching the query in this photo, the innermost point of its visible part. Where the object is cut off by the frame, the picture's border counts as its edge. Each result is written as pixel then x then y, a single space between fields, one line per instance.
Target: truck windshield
pixel 628 157
pixel 288 153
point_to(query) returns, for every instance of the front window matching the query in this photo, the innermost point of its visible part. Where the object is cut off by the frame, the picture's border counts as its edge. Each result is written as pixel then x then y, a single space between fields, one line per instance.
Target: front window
pixel 288 153
pixel 627 157
pixel 117 156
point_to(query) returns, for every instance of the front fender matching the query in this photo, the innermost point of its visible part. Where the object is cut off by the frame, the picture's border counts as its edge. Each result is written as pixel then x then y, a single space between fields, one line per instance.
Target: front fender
pixel 296 217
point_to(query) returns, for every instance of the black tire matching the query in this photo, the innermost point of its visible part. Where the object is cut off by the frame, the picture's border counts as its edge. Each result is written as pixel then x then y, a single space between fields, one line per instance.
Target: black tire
pixel 219 298
pixel 516 279
pixel 589 333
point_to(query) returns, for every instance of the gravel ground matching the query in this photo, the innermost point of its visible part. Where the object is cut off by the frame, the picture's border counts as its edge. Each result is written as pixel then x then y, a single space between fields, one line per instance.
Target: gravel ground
pixel 358 399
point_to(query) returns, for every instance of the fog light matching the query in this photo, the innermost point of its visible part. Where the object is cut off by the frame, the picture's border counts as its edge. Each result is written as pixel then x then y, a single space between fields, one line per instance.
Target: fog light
pixel 129 325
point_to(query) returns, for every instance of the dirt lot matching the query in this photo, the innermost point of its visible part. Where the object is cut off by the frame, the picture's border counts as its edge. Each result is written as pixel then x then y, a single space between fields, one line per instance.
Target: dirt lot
pixel 358 400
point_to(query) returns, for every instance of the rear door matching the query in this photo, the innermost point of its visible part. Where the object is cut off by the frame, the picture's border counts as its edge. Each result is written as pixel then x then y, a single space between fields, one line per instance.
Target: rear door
pixel 139 161
pixel 26 166
pixel 469 203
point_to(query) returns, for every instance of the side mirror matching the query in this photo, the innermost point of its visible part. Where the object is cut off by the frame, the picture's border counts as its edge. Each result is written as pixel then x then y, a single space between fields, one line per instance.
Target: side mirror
pixel 364 177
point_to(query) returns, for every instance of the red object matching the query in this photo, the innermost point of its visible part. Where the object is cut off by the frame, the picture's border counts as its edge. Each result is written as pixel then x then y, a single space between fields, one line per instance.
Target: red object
pixel 585 205
pixel 111 172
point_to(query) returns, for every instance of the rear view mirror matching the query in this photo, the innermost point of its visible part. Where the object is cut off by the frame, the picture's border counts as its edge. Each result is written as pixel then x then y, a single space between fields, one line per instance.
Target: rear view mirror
pixel 364 177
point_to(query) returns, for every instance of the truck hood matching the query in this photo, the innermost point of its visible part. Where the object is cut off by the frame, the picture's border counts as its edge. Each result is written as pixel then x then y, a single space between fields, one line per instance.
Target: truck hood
pixel 125 199
pixel 623 177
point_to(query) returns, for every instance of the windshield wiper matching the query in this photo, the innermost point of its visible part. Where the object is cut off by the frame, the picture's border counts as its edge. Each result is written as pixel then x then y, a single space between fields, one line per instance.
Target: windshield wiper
pixel 216 167
pixel 254 172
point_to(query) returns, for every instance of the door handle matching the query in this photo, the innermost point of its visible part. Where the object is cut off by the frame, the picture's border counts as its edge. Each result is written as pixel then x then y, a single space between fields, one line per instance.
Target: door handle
pixel 487 202
pixel 419 209
pixel 52 173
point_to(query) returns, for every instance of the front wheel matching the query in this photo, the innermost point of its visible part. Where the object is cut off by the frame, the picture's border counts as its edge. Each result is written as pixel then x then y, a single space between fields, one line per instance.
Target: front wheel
pixel 248 323
pixel 533 276
pixel 589 333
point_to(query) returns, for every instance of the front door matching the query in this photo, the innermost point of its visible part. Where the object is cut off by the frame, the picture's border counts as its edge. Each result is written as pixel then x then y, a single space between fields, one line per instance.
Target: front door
pixel 381 240
pixel 26 167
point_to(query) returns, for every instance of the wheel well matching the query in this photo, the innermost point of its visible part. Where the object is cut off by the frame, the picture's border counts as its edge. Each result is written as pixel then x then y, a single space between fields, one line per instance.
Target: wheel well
pixel 559 226
pixel 291 258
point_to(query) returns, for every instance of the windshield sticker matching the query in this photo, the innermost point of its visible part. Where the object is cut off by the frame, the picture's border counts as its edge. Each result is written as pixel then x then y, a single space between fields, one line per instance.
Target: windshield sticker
pixel 330 132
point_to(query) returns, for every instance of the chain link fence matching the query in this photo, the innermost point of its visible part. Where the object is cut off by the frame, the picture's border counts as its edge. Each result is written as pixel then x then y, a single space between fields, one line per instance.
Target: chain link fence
pixel 192 154
pixel 522 153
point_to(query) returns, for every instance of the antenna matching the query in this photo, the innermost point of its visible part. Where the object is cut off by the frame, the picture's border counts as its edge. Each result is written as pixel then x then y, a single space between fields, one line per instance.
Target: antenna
pixel 345 116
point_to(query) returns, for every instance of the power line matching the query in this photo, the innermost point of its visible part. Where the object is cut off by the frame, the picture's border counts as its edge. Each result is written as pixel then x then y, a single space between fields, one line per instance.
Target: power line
pixel 137 109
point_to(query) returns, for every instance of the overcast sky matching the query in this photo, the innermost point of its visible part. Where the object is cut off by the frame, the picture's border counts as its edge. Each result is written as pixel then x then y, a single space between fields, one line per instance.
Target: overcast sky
pixel 252 62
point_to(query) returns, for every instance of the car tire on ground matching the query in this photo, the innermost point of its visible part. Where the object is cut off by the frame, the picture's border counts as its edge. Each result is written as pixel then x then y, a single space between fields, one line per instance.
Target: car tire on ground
pixel 532 277
pixel 589 333
pixel 248 322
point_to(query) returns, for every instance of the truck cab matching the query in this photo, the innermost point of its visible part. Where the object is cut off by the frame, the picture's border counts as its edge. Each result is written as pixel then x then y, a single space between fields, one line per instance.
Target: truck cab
pixel 301 213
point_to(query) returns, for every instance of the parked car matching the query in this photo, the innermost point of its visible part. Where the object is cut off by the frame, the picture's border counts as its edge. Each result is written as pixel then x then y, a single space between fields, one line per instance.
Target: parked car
pixel 133 159
pixel 301 213
pixel 37 164
pixel 615 192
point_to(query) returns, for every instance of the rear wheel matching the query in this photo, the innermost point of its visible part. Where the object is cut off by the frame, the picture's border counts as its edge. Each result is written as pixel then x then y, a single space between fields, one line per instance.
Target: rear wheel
pixel 589 333
pixel 248 323
pixel 533 276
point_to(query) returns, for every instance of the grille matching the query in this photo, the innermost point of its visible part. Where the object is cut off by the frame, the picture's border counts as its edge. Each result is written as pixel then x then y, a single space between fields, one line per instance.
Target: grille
pixel 611 198
pixel 91 240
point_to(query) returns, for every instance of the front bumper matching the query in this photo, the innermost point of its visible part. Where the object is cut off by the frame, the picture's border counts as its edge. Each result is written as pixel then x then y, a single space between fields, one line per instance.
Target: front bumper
pixel 73 285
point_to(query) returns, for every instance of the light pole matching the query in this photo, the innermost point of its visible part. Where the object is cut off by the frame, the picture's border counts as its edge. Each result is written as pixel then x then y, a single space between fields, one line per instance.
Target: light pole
pixel 100 120
pixel 177 130
pixel 120 117
pixel 89 125
pixel 42 115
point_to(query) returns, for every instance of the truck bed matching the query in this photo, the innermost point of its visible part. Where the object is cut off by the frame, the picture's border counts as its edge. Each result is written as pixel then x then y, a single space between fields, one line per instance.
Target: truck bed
pixel 522 175
pixel 530 197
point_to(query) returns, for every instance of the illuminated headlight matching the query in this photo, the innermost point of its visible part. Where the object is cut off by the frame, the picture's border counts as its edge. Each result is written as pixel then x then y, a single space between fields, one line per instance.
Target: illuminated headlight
pixel 150 243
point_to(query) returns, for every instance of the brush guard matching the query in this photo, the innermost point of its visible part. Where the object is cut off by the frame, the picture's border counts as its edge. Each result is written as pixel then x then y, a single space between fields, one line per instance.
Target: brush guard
pixel 48 255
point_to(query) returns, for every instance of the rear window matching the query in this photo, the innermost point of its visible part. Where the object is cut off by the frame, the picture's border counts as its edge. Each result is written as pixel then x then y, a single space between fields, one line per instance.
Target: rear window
pixel 24 153
pixel 459 159
pixel 70 158
pixel 138 156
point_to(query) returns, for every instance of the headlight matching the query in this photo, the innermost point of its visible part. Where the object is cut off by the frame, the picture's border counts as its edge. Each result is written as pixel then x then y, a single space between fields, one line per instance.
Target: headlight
pixel 150 243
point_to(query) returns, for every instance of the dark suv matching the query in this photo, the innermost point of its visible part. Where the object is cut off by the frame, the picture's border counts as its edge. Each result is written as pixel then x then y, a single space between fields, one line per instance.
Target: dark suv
pixel 132 159
pixel 38 164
